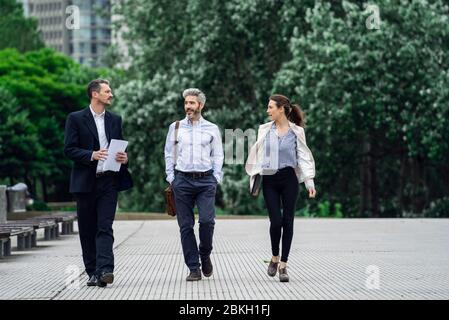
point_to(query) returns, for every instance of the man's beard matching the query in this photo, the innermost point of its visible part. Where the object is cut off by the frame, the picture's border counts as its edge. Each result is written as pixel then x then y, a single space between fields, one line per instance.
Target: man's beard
pixel 195 112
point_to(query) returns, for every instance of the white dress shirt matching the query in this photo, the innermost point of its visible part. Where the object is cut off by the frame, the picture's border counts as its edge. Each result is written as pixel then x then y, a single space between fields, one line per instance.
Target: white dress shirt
pixel 199 146
pixel 99 122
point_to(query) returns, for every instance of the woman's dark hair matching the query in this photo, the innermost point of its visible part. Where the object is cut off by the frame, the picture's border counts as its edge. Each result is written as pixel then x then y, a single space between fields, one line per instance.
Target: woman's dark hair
pixel 293 112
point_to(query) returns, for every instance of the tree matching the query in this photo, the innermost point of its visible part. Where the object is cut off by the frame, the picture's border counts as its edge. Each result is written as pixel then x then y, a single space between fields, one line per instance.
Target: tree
pixel 230 49
pixel 19 144
pixel 369 94
pixel 375 102
pixel 45 87
pixel 16 31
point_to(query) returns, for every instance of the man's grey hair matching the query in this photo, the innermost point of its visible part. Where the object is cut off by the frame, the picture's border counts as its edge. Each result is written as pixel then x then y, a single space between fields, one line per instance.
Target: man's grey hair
pixel 195 92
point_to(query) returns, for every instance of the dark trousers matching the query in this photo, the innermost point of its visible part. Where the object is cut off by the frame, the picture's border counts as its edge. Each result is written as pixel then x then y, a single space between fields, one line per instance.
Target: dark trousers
pixel 281 189
pixel 189 191
pixel 96 213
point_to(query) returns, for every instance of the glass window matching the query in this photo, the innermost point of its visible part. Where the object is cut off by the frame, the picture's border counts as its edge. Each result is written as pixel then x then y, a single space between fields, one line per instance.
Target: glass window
pixel 106 33
pixel 84 20
pixel 82 34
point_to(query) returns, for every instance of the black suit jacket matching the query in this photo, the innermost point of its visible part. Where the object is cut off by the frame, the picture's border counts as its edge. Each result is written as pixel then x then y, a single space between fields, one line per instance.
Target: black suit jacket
pixel 81 139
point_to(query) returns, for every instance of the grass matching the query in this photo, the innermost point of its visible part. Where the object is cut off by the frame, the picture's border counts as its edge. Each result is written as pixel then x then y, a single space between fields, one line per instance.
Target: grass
pixel 123 214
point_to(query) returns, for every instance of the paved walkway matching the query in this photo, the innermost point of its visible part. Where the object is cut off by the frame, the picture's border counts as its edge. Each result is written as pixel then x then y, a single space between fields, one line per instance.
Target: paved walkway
pixel 330 259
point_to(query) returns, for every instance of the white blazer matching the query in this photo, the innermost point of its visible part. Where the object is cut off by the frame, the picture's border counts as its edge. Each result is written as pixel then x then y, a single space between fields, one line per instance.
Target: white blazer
pixel 305 171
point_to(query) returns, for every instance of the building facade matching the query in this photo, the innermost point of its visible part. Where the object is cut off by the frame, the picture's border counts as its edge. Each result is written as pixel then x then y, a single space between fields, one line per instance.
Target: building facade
pixel 80 29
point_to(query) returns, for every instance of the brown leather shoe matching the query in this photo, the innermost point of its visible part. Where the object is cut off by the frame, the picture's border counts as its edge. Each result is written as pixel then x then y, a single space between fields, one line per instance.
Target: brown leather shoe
pixel 272 268
pixel 283 276
pixel 107 277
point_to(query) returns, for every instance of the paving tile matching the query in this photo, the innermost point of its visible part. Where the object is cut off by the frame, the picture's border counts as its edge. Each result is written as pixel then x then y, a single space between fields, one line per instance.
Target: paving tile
pixel 330 259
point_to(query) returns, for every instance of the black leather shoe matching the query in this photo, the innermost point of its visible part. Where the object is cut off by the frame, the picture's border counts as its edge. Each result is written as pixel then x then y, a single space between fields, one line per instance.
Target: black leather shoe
pixel 107 277
pixel 206 267
pixel 92 281
pixel 194 275
pixel 100 283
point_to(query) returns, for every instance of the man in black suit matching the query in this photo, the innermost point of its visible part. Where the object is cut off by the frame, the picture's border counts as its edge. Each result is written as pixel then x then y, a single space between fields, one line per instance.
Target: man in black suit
pixel 87 136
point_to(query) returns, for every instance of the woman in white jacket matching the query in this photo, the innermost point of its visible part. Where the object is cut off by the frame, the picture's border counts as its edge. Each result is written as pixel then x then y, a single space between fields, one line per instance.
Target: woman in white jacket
pixel 282 157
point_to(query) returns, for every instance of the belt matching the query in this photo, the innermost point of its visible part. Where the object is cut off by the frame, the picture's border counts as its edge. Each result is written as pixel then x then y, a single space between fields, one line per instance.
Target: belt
pixel 105 174
pixel 195 175
pixel 286 169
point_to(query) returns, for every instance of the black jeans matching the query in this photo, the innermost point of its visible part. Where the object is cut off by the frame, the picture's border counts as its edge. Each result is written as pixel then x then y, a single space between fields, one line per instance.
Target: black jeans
pixel 96 213
pixel 281 189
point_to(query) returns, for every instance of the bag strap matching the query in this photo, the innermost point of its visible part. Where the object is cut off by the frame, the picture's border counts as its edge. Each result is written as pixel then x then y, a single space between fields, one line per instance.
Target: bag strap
pixel 175 149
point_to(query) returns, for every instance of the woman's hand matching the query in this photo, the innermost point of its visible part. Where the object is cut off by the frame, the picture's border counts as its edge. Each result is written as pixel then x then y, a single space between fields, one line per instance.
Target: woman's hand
pixel 312 193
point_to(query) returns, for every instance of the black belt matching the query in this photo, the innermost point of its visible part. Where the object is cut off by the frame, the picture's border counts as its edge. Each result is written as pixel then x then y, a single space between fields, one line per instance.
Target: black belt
pixel 286 169
pixel 195 175
pixel 105 174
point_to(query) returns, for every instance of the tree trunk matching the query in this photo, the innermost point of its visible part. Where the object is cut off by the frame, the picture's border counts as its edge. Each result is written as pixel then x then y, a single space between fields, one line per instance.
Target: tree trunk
pixel 365 199
pixel 374 185
pixel 402 184
pixel 30 185
pixel 44 189
pixel 370 194
pixel 420 190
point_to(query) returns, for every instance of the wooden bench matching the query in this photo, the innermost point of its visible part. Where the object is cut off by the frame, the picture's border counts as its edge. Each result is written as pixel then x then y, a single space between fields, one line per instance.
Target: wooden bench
pixel 26 238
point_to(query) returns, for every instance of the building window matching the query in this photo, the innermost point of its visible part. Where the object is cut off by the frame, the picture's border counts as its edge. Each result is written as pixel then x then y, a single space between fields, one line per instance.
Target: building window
pixel 106 33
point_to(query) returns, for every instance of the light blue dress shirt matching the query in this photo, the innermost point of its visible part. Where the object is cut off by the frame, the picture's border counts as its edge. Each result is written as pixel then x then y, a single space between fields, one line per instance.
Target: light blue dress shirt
pixel 280 151
pixel 199 147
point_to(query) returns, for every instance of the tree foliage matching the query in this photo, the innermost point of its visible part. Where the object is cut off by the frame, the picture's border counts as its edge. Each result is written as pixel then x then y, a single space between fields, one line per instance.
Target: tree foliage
pixel 377 103
pixel 16 31
pixel 375 98
pixel 38 89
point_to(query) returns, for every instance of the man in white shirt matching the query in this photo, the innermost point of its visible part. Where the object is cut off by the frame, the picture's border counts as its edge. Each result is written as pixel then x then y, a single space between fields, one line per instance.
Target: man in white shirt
pixel 194 176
